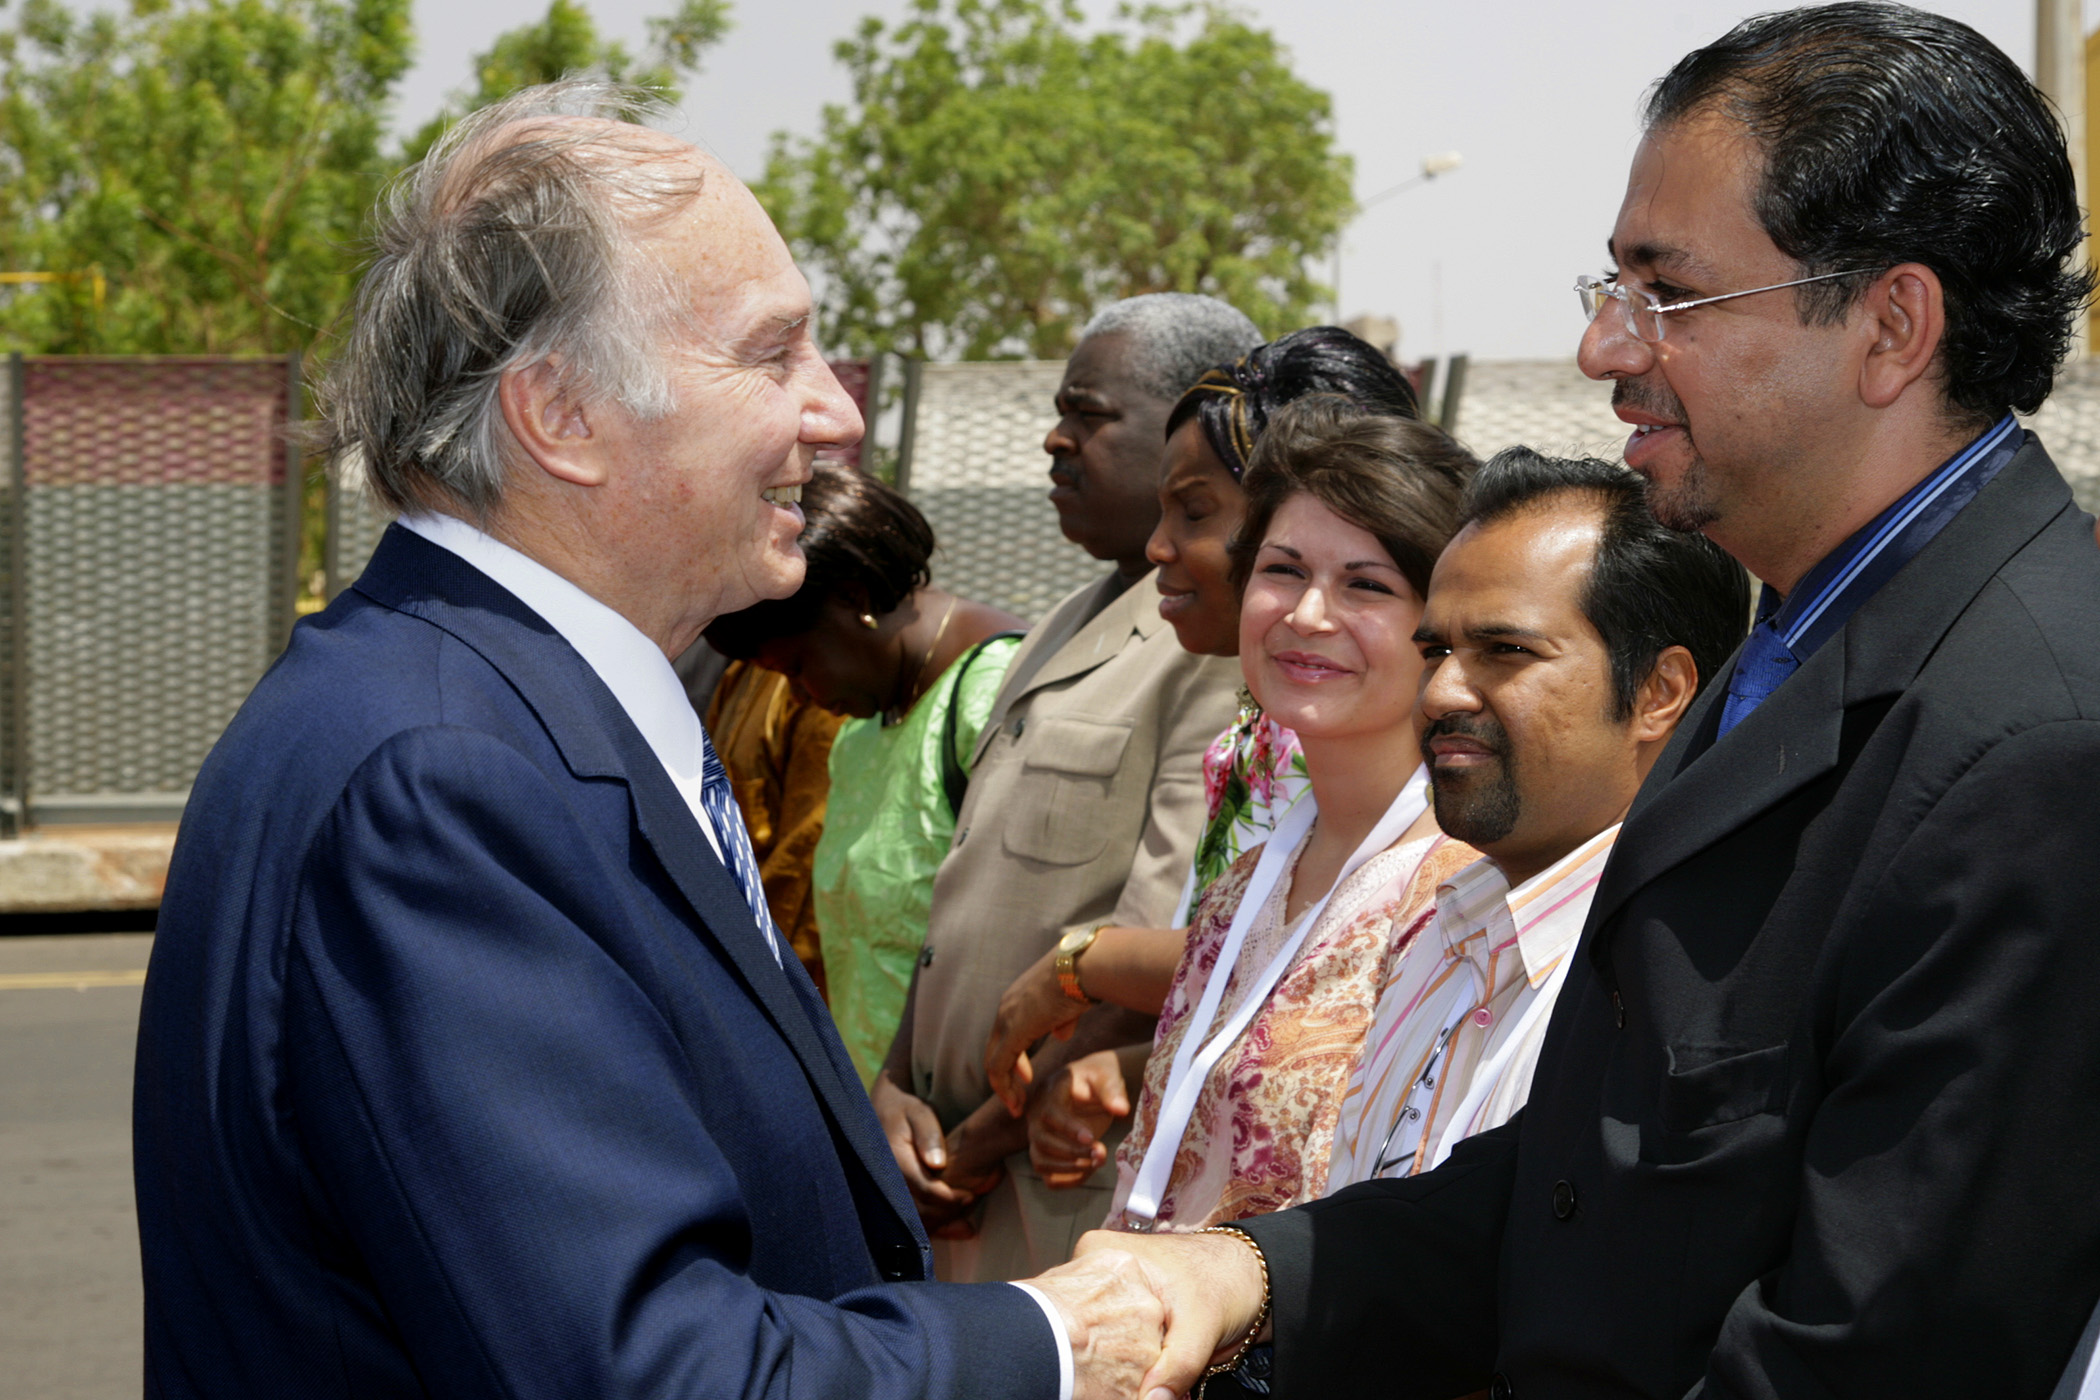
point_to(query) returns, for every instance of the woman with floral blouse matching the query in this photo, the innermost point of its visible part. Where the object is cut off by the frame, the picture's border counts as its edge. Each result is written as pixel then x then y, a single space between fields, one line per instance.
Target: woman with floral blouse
pixel 1255 771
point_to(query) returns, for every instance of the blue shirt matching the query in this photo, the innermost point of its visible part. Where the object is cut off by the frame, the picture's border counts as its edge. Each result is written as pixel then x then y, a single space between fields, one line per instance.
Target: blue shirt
pixel 1789 630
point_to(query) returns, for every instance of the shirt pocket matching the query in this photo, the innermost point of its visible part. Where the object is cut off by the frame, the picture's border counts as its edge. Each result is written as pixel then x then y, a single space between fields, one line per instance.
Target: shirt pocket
pixel 1707 1088
pixel 1064 809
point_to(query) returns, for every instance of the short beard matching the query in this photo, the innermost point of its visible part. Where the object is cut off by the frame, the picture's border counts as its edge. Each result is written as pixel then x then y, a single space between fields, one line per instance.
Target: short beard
pixel 1478 807
pixel 1692 503
pixel 1689 505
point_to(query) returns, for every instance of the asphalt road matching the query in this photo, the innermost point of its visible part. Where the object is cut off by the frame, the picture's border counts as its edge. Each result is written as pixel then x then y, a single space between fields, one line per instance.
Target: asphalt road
pixel 69 1258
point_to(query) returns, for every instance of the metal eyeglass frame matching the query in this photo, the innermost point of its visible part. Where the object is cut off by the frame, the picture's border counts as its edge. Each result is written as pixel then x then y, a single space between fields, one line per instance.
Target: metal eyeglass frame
pixel 1595 291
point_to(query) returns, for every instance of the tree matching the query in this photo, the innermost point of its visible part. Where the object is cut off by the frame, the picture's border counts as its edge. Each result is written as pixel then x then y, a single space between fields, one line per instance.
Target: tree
pixel 1000 173
pixel 566 44
pixel 214 159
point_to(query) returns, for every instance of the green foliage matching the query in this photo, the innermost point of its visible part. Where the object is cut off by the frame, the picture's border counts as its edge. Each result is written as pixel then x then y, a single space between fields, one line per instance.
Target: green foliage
pixel 214 159
pixel 1001 173
pixel 566 44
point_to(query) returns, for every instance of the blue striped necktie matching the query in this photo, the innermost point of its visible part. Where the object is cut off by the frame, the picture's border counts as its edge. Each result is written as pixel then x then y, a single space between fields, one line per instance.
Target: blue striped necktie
pixel 728 822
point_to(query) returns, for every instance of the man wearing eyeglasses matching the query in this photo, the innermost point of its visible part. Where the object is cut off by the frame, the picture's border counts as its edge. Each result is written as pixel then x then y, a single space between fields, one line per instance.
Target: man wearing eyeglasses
pixel 1818 1113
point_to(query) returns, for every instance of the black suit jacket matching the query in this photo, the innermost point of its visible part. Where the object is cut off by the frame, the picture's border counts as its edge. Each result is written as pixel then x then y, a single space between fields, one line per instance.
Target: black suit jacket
pixel 1819 1110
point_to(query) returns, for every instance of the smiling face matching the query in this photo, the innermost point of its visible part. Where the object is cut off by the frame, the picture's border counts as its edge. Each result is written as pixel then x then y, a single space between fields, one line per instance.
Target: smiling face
pixel 1525 757
pixel 1200 505
pixel 1105 454
pixel 1740 403
pixel 705 491
pixel 1325 628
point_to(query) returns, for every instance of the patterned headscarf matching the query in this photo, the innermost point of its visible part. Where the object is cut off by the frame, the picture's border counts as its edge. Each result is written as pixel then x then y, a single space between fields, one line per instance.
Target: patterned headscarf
pixel 1234 402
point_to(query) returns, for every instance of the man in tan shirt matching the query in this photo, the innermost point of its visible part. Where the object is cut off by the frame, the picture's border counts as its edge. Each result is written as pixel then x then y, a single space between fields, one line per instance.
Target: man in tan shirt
pixel 1085 801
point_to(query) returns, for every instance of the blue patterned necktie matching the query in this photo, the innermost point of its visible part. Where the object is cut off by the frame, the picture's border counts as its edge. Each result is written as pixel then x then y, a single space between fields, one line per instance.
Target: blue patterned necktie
pixel 728 822
pixel 1765 663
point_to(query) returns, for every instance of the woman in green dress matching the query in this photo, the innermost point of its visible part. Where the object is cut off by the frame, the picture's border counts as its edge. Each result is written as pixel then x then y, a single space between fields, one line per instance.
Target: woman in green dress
pixel 868 636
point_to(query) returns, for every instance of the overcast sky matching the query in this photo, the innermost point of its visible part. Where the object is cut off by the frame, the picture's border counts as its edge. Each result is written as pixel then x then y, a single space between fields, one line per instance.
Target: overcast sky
pixel 1537 95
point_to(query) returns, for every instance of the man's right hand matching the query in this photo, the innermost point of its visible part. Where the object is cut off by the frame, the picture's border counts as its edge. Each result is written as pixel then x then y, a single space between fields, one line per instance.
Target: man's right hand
pixel 1209 1290
pixel 921 1150
pixel 1109 1302
pixel 1034 1006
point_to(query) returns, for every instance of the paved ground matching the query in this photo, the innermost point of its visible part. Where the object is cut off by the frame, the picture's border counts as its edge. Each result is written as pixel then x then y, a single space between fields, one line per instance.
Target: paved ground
pixel 69 1285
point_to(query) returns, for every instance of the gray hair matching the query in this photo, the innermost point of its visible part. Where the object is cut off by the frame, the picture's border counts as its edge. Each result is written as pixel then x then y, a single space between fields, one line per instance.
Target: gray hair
pixel 509 245
pixel 1174 337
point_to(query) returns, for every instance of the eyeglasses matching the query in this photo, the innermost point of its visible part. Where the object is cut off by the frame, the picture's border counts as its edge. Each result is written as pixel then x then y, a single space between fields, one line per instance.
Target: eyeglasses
pixel 1645 312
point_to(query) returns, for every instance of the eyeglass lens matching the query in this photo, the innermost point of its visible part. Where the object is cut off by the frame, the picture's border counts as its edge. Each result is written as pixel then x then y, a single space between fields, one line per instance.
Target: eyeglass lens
pixel 1642 319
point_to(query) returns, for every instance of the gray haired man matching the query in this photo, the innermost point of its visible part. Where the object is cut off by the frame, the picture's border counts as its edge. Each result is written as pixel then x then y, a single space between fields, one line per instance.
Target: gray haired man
pixel 470 1064
pixel 1084 807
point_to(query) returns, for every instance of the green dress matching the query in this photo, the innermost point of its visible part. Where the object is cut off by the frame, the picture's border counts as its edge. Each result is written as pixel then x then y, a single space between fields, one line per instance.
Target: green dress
pixel 885 833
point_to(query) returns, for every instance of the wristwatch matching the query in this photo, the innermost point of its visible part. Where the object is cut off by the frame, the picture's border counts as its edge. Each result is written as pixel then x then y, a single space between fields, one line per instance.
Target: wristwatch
pixel 1068 950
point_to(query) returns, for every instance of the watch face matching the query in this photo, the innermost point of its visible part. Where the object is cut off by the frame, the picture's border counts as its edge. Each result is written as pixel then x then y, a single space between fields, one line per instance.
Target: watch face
pixel 1073 942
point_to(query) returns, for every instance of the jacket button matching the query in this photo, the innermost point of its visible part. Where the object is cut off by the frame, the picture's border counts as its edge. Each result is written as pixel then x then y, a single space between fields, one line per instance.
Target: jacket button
pixel 1020 723
pixel 1618 1010
pixel 1501 1389
pixel 898 1260
pixel 1563 1199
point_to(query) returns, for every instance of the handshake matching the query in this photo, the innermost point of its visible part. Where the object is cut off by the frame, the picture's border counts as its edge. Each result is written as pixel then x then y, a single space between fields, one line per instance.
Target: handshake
pixel 1147 1315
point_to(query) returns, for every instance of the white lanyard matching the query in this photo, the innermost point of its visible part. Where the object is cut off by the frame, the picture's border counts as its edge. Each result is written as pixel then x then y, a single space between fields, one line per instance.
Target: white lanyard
pixel 1492 1070
pixel 1191 1069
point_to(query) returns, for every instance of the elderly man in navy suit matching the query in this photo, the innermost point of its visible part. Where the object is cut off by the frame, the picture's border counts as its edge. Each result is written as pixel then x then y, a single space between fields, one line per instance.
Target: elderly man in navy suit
pixel 470 1063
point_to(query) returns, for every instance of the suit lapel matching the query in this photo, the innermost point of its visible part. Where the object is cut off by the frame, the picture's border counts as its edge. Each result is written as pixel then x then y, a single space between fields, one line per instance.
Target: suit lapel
pixel 598 740
pixel 1701 790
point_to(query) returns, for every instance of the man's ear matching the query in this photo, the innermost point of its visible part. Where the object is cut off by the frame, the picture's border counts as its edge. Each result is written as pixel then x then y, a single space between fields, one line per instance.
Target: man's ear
pixel 550 425
pixel 1665 695
pixel 1906 313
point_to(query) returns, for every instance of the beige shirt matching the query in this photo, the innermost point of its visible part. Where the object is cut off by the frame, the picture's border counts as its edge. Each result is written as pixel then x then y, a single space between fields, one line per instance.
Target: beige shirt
pixel 1085 803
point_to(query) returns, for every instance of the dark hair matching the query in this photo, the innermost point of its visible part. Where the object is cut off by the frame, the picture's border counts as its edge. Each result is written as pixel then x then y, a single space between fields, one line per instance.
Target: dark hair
pixel 1234 402
pixel 1649 587
pixel 1399 478
pixel 860 538
pixel 1891 135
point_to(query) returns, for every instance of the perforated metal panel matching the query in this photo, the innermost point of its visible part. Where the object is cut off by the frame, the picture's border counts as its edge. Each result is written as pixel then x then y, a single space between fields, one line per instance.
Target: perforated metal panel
pixel 356 519
pixel 979 473
pixel 157 532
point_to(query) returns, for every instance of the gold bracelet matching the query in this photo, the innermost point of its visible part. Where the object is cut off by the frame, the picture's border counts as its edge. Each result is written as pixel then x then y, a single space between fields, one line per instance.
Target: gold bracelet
pixel 1261 1318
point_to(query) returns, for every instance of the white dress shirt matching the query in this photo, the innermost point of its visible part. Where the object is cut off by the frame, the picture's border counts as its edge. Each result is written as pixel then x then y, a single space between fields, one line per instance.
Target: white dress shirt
pixel 640 677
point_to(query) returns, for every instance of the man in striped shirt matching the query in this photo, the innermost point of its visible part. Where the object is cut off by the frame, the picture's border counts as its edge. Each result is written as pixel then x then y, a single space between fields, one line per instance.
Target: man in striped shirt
pixel 1564 636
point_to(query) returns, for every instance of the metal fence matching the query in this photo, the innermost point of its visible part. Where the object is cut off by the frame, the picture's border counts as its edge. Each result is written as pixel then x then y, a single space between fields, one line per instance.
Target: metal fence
pixel 148 551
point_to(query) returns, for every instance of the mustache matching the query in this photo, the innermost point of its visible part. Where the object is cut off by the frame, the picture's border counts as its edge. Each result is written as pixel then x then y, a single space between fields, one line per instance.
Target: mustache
pixel 1648 398
pixel 1064 472
pixel 1480 729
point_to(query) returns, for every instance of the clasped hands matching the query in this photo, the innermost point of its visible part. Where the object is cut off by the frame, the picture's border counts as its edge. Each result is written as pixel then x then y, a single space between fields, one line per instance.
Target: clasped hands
pixel 1148 1314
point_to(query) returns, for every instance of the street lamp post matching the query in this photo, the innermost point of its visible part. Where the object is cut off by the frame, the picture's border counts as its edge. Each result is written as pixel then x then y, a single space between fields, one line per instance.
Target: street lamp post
pixel 1442 163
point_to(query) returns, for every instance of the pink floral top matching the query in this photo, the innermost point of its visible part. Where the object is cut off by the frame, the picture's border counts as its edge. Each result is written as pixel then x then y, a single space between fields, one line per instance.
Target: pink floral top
pixel 1253 774
pixel 1264 1122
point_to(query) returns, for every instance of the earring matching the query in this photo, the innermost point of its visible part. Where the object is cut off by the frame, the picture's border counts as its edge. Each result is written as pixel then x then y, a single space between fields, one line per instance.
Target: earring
pixel 868 621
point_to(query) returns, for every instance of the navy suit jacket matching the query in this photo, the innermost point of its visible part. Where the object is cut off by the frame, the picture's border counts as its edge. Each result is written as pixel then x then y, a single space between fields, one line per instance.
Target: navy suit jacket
pixel 464 1069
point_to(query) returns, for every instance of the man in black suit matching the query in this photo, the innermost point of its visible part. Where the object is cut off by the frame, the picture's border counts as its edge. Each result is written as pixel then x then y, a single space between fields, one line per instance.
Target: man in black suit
pixel 1818 1113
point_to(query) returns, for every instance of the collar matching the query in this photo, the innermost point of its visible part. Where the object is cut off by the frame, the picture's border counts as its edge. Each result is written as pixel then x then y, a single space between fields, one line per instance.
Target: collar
pixel 1544 915
pixel 1550 907
pixel 1834 589
pixel 632 667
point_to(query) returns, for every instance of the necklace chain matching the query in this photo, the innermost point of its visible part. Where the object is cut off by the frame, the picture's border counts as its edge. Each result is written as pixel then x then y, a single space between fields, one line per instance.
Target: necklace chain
pixel 925 660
